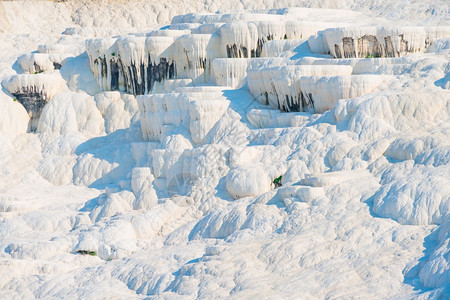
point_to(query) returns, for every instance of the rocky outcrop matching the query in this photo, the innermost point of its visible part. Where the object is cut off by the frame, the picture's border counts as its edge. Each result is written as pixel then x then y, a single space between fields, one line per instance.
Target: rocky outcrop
pixel 186 49
pixel 375 42
pixel 34 100
pixel 293 88
pixel 34 91
pixel 196 109
pixel 225 48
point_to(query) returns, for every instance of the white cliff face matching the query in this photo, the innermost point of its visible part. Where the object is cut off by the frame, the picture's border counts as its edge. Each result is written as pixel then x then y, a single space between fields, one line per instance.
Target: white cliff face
pixel 34 63
pixel 324 91
pixel 137 64
pixel 379 41
pixel 131 64
pixel 71 112
pixel 239 40
pixel 193 56
pixel 282 87
pixel 233 154
pixel 16 121
pixel 160 113
pixel 47 83
pixel 117 109
pixel 34 91
pixel 230 72
pixel 277 47
pixel 197 111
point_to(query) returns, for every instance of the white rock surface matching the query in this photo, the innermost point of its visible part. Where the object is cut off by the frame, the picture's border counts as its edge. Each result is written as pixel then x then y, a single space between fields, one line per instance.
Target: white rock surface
pixel 142 186
pixel 14 118
pixel 71 112
pixel 247 182
pixel 171 195
pixel 48 83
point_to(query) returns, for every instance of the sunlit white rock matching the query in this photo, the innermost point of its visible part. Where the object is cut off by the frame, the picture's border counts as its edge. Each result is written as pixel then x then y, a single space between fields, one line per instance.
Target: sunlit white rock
pixel 141 183
pixel 382 154
pixel 276 47
pixel 13 117
pixel 71 112
pixel 117 109
pixel 194 110
pixel 110 204
pixel 325 91
pixel 203 116
pixel 436 271
pixel 247 182
pixel 34 91
pixel 289 88
pixel 378 41
pixel 231 72
pixel 110 241
pixel 48 84
pixel 194 54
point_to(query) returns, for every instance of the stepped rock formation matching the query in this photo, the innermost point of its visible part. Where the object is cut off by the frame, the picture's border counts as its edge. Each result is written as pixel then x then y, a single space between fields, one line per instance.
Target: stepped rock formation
pixel 279 153
pixel 137 64
pixel 33 91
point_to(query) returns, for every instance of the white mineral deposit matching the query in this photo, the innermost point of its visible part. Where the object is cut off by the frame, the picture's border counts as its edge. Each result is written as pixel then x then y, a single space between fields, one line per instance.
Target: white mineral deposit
pixel 289 149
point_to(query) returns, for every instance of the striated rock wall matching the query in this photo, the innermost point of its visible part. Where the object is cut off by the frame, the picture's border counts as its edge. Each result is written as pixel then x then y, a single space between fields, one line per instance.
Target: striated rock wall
pixel 186 49
pixel 33 91
pixel 131 64
pixel 373 42
pixel 289 88
pixel 195 110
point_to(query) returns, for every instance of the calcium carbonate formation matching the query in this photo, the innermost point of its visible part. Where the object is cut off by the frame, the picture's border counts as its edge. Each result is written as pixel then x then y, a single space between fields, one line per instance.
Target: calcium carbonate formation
pixel 196 110
pixel 275 153
pixel 379 41
pixel 234 50
pixel 33 91
pixel 220 49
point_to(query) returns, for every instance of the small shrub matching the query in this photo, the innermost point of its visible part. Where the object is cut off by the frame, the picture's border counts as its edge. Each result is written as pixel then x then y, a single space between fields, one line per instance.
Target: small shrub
pixel 277 182
pixel 87 252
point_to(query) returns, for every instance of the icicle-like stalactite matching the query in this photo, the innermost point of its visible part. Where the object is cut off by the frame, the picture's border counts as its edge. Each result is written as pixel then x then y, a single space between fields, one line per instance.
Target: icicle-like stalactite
pixel 193 56
pixel 186 49
pixel 33 91
pixel 132 64
pixel 195 109
pixel 373 42
pixel 314 88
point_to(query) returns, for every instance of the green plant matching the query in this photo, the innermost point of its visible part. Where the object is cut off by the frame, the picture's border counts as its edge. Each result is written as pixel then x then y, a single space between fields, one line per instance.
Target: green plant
pixel 113 54
pixel 87 252
pixel 277 181
pixel 15 99
pixel 370 56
